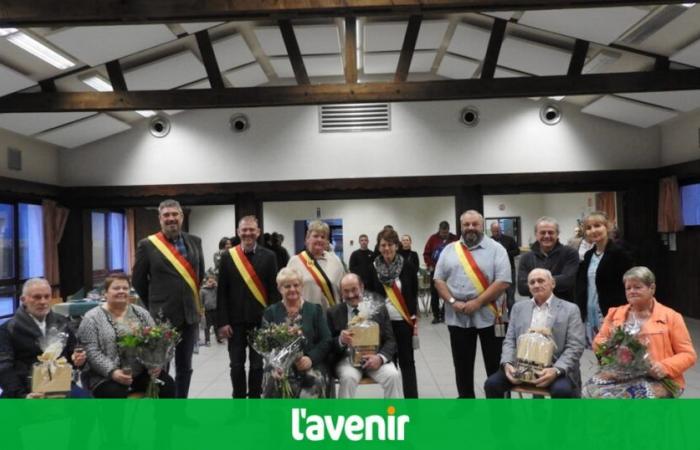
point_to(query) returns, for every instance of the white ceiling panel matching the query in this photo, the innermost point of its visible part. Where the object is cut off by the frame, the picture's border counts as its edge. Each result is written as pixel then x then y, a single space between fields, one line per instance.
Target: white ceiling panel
pixel 232 52
pixel 84 131
pixel 505 15
pixel 602 25
pixel 679 100
pixel 322 66
pixel 283 67
pixel 456 67
pixel 247 76
pixel 422 61
pixel 97 45
pixel 533 58
pixel 11 81
pixel 381 62
pixel 383 36
pixel 628 111
pixel 689 55
pixel 31 123
pixel 316 39
pixel 502 72
pixel 166 73
pixel 192 28
pixel 271 41
pixel 469 41
pixel 431 34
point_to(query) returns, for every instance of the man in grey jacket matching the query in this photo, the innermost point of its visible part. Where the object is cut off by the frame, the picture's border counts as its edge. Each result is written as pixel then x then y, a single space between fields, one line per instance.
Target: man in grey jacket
pixel 563 379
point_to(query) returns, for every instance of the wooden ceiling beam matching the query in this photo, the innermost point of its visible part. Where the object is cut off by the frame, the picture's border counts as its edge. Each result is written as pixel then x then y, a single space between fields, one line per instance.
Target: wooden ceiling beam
pixel 350 66
pixel 206 50
pixel 290 42
pixel 407 49
pixel 609 83
pixel 23 13
pixel 498 31
pixel 116 75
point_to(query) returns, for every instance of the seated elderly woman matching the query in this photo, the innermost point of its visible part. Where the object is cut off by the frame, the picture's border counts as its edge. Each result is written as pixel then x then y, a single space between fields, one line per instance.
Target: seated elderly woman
pixel 321 270
pixel 111 374
pixel 659 328
pixel 309 373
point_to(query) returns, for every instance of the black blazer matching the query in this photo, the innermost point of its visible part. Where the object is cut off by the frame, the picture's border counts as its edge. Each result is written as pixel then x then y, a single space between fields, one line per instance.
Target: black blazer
pixel 409 285
pixel 611 291
pixel 338 321
pixel 19 347
pixel 161 288
pixel 234 302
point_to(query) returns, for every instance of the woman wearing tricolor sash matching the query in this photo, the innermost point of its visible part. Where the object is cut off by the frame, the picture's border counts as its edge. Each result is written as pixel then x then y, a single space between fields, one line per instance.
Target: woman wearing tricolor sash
pixel 396 280
pixel 321 270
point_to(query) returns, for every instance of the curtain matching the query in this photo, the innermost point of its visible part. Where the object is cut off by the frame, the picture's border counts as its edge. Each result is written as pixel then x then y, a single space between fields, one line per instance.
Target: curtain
pixel 670 217
pixel 55 218
pixel 605 201
pixel 129 240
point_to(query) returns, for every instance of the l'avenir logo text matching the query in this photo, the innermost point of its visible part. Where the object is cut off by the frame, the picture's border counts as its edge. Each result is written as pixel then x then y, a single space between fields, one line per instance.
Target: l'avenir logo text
pixel 313 427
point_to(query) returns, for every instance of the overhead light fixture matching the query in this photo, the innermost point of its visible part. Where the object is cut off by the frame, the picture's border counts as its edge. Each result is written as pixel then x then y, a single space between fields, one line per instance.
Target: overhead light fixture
pixel 7 31
pixel 688 5
pixel 41 51
pixel 100 84
pixel 557 98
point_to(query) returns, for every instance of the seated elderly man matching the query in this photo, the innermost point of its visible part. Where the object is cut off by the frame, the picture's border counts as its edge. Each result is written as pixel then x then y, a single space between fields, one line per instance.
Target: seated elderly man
pixel 377 366
pixel 563 379
pixel 20 336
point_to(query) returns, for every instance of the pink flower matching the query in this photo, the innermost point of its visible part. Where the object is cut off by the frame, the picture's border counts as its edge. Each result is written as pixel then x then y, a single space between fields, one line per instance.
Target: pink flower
pixel 625 355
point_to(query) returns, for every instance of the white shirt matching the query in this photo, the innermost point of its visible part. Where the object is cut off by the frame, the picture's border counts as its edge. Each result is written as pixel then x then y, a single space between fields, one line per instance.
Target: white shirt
pixel 41 325
pixel 540 314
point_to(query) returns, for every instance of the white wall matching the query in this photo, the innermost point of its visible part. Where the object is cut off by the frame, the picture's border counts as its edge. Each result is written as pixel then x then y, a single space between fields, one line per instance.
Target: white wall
pixel 565 208
pixel 211 223
pixel 418 216
pixel 39 159
pixel 426 138
pixel 680 140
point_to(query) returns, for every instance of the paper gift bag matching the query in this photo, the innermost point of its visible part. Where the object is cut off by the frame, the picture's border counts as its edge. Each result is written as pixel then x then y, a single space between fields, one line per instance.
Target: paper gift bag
pixel 365 340
pixel 54 380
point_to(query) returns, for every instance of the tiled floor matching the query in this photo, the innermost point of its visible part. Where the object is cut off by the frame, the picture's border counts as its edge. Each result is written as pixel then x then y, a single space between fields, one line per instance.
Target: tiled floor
pixel 433 366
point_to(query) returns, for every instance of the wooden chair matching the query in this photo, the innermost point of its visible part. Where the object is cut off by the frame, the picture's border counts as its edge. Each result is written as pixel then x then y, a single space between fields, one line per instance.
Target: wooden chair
pixel 531 390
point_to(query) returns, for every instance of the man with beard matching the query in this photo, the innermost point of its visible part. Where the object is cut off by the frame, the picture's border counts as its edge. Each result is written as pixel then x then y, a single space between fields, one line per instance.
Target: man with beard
pixel 246 287
pixel 548 253
pixel 167 274
pixel 471 276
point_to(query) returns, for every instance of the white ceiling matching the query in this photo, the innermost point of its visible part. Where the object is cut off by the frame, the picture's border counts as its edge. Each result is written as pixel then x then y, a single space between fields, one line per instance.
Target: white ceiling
pixel 251 54
pixel 628 111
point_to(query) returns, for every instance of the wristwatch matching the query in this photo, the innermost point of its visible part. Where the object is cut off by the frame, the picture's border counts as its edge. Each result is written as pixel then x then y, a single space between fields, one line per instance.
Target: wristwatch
pixel 451 301
pixel 558 371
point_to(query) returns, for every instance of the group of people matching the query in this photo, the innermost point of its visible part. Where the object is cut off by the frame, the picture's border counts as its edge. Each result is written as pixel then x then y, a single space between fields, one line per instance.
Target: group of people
pixel 471 274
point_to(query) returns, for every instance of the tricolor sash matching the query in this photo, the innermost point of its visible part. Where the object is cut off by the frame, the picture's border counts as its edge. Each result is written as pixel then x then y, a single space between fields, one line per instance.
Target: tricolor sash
pixel 397 299
pixel 476 276
pixel 180 263
pixel 251 278
pixel 318 275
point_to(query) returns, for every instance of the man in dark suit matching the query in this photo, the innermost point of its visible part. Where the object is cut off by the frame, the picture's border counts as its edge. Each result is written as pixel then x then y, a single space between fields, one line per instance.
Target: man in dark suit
pixel 508 242
pixel 20 336
pixel 246 287
pixel 377 366
pixel 361 260
pixel 167 274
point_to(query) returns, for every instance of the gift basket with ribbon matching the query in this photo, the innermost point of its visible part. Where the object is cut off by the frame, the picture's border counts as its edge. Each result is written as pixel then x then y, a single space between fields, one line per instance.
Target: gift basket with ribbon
pixel 52 374
pixel 365 331
pixel 535 349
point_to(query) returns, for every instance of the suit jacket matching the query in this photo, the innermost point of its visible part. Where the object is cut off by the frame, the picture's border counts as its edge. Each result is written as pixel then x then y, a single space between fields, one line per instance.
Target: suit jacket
pixel 338 321
pixel 235 304
pixel 19 347
pixel 567 331
pixel 161 287
pixel 608 279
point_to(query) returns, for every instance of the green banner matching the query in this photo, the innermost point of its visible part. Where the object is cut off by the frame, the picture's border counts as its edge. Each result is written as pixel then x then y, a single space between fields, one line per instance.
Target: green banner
pixel 353 424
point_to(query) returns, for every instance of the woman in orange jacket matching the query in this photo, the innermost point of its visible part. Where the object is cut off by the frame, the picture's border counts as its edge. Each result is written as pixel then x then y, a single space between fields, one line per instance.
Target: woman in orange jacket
pixel 659 327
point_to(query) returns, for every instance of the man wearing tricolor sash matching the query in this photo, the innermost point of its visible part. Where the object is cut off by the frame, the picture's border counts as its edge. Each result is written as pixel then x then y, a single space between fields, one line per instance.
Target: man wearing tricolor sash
pixel 167 273
pixel 246 287
pixel 471 276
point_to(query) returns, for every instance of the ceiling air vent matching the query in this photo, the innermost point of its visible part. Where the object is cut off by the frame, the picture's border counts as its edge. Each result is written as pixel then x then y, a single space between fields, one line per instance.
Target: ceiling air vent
pixel 354 117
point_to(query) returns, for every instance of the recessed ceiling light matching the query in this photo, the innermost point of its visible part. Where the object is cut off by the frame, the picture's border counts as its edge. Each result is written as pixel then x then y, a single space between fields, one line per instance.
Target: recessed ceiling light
pixel 41 51
pixel 100 84
pixel 688 5
pixel 6 31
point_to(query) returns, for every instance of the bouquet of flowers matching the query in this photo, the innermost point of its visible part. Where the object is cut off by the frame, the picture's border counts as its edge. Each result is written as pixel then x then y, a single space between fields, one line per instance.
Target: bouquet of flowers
pixel 279 345
pixel 153 346
pixel 624 365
